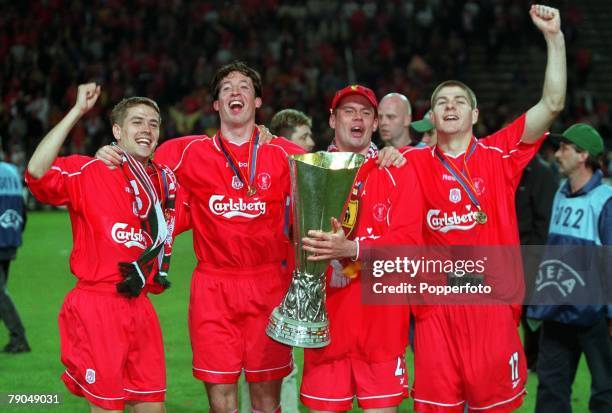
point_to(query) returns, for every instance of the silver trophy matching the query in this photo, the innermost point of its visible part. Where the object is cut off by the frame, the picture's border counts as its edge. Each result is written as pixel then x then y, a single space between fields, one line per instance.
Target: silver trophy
pixel 320 185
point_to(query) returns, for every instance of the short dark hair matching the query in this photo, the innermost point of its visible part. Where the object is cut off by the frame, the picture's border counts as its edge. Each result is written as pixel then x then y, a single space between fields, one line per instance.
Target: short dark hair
pixel 120 109
pixel 466 88
pixel 283 123
pixel 237 66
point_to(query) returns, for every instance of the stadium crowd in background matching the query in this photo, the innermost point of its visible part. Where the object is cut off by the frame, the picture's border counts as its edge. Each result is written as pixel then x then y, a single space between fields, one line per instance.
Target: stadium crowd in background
pixel 312 49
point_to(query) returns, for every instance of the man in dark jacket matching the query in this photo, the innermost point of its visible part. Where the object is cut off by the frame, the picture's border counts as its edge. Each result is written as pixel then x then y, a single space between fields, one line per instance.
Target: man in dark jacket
pixel 580 226
pixel 12 219
pixel 534 197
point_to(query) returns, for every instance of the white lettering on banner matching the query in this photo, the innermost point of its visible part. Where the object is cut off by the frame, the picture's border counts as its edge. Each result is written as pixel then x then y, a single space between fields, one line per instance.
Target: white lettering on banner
pixel 129 238
pixel 446 177
pixel 232 208
pixel 447 222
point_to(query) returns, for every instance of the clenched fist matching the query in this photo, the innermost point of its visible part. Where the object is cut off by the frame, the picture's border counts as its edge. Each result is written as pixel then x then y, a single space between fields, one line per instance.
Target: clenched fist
pixel 546 19
pixel 87 95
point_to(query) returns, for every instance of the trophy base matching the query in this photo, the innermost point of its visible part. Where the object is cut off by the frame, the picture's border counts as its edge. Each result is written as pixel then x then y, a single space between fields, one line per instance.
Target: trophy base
pixel 298 333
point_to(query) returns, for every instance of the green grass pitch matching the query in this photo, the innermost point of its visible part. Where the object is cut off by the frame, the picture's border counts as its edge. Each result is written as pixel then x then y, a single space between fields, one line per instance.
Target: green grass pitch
pixel 39 279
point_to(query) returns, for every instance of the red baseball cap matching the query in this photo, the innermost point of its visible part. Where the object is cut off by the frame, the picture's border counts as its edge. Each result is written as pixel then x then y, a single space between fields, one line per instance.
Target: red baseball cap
pixel 354 90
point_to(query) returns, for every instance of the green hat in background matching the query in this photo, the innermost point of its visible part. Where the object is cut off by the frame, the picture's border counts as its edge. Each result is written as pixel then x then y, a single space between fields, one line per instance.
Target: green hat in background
pixel 423 125
pixel 584 137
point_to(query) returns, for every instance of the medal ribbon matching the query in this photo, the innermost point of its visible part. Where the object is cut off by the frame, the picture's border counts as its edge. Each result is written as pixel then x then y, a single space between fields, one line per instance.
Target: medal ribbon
pixel 235 165
pixel 464 181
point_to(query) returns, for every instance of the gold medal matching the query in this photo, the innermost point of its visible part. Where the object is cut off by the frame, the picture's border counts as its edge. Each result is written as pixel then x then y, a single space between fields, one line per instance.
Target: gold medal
pixel 481 217
pixel 252 191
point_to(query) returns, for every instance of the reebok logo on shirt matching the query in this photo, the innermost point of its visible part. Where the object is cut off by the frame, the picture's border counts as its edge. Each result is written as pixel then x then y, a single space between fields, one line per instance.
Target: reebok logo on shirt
pixel 232 208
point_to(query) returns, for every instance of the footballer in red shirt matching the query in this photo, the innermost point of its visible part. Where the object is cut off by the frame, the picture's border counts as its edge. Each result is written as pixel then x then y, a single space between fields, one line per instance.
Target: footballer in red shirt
pixel 365 359
pixel 471 354
pixel 122 226
pixel 238 192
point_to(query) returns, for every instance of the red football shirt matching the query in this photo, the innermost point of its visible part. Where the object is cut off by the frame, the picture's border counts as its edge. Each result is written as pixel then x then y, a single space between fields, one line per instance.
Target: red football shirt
pixel 230 228
pixel 495 167
pixel 105 230
pixel 388 214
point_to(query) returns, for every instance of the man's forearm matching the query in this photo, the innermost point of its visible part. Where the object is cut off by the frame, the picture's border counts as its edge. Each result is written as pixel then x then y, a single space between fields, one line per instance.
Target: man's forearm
pixel 49 147
pixel 555 77
pixel 540 117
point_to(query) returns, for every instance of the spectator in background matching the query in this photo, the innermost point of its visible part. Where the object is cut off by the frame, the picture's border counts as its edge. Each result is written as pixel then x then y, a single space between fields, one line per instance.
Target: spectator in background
pixel 421 43
pixel 183 119
pixel 534 197
pixel 424 126
pixel 582 216
pixel 394 117
pixel 12 222
pixel 547 154
pixel 295 126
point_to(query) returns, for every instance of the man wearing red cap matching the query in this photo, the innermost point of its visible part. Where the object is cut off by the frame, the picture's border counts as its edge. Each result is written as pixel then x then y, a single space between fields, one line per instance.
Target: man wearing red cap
pixel 365 358
pixel 472 354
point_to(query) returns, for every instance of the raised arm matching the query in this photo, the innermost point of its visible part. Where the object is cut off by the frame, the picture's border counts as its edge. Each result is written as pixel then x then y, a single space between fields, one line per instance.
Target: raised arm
pixel 48 149
pixel 540 117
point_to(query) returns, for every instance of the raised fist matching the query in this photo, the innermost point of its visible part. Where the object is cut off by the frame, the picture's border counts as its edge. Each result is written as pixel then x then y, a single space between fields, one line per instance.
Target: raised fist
pixel 546 19
pixel 87 96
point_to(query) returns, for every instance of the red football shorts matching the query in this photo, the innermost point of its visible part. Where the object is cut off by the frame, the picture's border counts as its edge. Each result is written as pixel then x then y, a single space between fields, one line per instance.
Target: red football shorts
pixel 332 386
pixel 468 354
pixel 228 315
pixel 112 347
